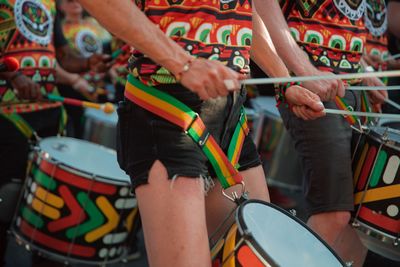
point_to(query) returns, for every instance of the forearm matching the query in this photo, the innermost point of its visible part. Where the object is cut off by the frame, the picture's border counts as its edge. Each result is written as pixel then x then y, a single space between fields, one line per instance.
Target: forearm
pixel 287 48
pixel 127 22
pixel 394 18
pixel 70 61
pixel 65 77
pixel 263 51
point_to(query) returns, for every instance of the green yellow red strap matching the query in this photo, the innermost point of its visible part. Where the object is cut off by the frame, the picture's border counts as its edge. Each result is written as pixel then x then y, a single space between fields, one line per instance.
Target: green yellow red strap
pixel 235 147
pixel 176 112
pixel 352 119
pixel 20 124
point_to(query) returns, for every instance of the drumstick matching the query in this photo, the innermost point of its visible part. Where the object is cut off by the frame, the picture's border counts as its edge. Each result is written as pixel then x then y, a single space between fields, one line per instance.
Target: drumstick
pixel 373 88
pixel 119 51
pixel 390 73
pixel 106 107
pixel 365 114
pixel 392 103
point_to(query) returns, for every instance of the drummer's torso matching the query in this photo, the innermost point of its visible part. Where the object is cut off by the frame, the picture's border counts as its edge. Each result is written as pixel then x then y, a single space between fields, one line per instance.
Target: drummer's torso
pixel 332 32
pixel 26 30
pixel 218 30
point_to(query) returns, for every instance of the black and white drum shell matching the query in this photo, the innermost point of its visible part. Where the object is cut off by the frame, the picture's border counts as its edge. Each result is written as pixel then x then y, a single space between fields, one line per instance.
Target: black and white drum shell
pixel 100 127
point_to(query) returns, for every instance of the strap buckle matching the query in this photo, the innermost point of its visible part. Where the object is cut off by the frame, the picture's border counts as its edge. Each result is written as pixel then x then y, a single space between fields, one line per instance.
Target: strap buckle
pixel 234 197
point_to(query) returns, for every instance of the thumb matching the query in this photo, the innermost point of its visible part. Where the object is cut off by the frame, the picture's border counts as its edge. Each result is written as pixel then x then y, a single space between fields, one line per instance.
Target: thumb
pixel 313 102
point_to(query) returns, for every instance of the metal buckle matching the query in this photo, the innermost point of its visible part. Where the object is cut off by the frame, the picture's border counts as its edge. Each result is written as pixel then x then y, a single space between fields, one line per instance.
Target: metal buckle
pixel 234 195
pixel 196 116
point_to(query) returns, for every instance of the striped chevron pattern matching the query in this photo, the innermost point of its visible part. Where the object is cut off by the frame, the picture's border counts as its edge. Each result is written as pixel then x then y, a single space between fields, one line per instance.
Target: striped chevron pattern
pixel 78 219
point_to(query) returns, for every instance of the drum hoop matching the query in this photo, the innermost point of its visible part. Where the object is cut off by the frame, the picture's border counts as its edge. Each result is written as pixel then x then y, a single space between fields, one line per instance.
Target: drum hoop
pixel 250 239
pixel 378 138
pixel 367 229
pixel 59 257
pixel 79 172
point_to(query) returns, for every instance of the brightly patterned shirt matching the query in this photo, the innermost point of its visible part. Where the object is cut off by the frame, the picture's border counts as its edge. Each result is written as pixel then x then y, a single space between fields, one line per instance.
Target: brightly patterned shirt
pixel 331 32
pixel 216 30
pixel 26 33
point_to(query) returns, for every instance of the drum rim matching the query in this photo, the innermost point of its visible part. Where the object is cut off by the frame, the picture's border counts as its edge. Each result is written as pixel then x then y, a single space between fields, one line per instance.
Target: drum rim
pixel 44 155
pixel 250 238
pixel 378 138
pixel 365 228
pixel 58 256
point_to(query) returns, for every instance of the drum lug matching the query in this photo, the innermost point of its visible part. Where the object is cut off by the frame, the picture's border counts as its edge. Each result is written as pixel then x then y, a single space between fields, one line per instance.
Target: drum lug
pixel 396 241
pixel 349 263
pixel 355 224
pixel 293 212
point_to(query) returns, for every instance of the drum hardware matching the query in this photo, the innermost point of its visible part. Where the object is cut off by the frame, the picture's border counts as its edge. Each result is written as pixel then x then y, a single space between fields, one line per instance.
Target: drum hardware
pixel 234 197
pixel 293 212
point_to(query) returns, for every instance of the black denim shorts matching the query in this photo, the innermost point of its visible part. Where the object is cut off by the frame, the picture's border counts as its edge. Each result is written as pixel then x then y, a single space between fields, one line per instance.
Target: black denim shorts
pixel 324 148
pixel 144 137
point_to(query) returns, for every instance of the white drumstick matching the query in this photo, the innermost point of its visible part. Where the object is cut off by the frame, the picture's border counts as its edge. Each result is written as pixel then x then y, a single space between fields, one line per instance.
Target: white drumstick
pixel 390 73
pixel 359 113
pixel 392 103
pixel 373 88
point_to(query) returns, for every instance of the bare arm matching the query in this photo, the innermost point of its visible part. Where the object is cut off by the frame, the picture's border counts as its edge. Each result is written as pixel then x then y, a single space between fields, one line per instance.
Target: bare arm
pixel 394 18
pixel 263 51
pixel 292 55
pixel 126 21
pixel 305 104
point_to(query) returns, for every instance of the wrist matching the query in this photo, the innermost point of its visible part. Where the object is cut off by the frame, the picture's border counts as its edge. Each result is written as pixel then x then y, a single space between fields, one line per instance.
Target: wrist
pixel 280 92
pixel 180 67
pixel 74 79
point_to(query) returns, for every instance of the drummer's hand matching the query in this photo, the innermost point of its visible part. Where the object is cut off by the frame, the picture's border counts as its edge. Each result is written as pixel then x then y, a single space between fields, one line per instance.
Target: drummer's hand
pixel 99 62
pixel 373 60
pixel 210 79
pixel 305 104
pixel 375 96
pixel 327 89
pixel 24 87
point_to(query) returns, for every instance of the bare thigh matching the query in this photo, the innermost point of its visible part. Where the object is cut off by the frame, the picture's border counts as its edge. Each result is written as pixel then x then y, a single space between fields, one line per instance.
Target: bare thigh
pixel 218 207
pixel 173 217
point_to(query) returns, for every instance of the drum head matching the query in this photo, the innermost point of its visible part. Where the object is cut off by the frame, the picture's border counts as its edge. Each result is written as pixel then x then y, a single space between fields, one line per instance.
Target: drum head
pixel 84 156
pixel 286 241
pixel 99 115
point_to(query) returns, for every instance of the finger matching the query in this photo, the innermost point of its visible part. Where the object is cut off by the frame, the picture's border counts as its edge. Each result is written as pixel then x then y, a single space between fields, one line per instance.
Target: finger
pixel 297 110
pixel 341 91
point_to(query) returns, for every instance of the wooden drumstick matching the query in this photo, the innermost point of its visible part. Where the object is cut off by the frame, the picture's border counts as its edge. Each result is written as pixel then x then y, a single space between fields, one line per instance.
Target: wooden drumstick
pixel 106 107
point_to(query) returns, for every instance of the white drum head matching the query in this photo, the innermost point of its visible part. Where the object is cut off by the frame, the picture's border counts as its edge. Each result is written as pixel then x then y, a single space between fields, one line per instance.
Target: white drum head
pixel 99 115
pixel 84 156
pixel 285 240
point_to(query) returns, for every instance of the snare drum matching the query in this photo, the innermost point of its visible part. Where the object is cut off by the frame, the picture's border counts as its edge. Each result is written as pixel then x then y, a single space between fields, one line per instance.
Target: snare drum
pixel 100 127
pixel 266 235
pixel 377 190
pixel 76 205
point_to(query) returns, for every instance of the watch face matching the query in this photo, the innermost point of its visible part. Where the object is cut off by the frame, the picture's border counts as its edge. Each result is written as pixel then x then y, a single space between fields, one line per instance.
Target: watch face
pixel 34 21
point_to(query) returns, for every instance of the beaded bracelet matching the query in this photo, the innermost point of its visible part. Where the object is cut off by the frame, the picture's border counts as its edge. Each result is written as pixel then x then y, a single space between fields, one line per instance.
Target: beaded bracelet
pixel 280 92
pixel 185 68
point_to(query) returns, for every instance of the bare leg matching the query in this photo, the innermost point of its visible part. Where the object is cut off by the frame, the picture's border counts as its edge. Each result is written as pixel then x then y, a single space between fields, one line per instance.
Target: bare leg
pixel 174 223
pixel 218 206
pixel 334 228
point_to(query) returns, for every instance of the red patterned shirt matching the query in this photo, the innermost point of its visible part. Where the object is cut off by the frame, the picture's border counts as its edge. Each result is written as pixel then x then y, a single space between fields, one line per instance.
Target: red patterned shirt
pixel 27 35
pixel 376 24
pixel 332 32
pixel 217 30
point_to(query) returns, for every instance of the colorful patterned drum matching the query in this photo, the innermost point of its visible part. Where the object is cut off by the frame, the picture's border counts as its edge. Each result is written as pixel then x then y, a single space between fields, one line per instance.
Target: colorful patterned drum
pixel 76 205
pixel 376 164
pixel 100 127
pixel 266 235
